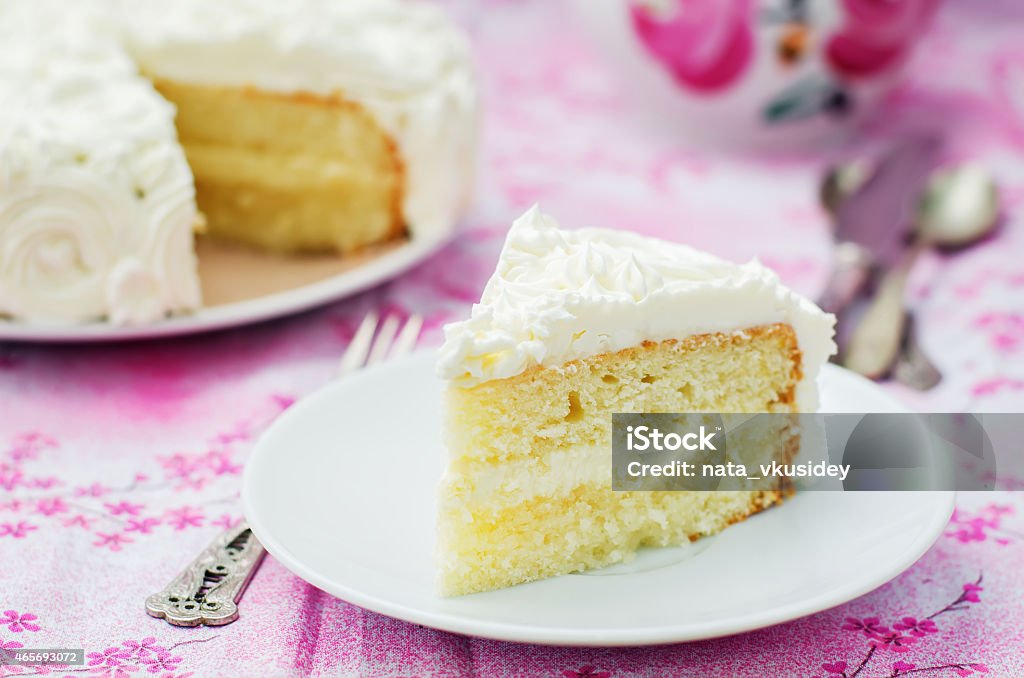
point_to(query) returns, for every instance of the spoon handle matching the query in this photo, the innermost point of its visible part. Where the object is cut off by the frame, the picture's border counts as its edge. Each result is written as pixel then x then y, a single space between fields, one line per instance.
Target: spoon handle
pixel 875 342
pixel 913 368
pixel 850 271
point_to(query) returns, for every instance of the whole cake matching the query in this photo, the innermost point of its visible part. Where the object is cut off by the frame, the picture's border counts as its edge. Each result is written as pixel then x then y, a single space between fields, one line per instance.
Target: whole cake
pixel 286 125
pixel 572 327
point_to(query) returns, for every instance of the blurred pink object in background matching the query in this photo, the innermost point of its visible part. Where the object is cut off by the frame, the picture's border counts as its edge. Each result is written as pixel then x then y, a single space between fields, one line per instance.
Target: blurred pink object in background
pixel 761 72
pixel 876 35
pixel 705 47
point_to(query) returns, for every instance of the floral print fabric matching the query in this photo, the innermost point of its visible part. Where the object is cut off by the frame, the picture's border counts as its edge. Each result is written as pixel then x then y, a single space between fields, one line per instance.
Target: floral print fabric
pixel 118 463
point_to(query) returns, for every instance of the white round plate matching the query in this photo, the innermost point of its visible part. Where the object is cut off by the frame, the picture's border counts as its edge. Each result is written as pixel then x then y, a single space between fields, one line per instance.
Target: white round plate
pixel 341 489
pixel 241 287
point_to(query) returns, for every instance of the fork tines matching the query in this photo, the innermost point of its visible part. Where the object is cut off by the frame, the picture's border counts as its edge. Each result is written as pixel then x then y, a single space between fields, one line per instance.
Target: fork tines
pixel 373 343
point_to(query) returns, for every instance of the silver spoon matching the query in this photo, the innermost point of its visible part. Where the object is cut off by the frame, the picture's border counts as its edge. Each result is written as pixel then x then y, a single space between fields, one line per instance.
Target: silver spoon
pixel 852 268
pixel 959 206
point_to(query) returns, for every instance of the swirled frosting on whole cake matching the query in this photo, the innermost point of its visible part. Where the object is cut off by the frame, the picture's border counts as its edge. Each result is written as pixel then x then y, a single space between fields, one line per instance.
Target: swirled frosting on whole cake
pixel 561 295
pixel 97 202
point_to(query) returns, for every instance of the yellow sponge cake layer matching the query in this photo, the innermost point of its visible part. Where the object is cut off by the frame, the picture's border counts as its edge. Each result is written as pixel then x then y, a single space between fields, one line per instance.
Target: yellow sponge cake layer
pixel 288 173
pixel 553 420
pixel 752 371
pixel 589 528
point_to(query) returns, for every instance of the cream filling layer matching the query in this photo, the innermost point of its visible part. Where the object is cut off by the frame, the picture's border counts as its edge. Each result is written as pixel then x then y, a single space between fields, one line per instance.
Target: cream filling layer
pixel 472 485
pixel 483 487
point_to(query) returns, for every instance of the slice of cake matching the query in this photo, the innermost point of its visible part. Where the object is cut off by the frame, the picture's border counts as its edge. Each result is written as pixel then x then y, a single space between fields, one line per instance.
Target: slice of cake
pixel 573 327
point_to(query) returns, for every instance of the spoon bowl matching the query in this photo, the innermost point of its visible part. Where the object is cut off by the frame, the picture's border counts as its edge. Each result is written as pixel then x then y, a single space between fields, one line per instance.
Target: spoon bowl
pixel 959 206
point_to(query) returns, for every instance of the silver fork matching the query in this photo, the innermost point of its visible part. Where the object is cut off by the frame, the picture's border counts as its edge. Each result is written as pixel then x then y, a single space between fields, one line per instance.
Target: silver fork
pixel 207 592
pixel 366 350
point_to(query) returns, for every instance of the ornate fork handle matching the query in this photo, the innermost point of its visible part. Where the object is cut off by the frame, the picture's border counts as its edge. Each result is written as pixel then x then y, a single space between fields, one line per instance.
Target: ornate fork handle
pixel 208 590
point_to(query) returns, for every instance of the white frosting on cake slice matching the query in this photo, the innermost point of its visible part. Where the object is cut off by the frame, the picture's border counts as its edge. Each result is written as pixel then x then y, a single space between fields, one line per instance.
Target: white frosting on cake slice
pixel 96 200
pixel 405 62
pixel 561 295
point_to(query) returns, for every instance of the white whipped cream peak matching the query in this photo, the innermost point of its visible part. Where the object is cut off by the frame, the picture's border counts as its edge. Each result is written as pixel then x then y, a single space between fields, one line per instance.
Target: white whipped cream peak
pixel 559 295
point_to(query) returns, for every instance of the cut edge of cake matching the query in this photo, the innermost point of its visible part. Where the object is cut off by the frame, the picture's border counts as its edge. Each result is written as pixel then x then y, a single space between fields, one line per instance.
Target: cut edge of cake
pixel 289 173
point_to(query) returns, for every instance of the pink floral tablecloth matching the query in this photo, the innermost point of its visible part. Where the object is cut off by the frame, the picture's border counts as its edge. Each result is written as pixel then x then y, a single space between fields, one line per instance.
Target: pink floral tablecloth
pixel 118 463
